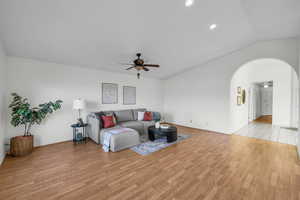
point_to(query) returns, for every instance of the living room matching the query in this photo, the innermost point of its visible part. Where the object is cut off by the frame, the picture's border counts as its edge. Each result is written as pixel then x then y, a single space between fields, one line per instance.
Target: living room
pixel 52 51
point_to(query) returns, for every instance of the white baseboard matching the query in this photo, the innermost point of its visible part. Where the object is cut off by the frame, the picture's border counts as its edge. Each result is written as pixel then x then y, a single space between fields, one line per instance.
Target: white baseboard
pixel 189 125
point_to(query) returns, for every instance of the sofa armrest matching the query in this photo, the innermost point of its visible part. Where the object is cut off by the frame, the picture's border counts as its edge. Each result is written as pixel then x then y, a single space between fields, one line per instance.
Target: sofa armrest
pixel 93 128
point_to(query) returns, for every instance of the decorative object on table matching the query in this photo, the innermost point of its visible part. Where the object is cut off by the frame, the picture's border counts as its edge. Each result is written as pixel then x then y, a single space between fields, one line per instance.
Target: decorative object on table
pixel 239 100
pixel 139 64
pixel 23 114
pixel 78 136
pixel 244 96
pixel 170 133
pixel 239 90
pixel 129 95
pixel 156 145
pixel 157 124
pixel 164 126
pixel 109 93
pixel 79 104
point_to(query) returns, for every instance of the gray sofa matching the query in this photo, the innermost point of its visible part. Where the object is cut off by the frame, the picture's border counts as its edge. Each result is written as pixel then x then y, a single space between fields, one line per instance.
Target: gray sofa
pixel 124 118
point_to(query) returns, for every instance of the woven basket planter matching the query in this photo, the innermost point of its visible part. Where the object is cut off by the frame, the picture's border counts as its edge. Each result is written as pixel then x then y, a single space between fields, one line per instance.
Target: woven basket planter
pixel 21 145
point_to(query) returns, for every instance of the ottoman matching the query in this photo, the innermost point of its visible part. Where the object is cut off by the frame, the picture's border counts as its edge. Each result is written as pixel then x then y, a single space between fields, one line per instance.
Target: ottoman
pixel 123 140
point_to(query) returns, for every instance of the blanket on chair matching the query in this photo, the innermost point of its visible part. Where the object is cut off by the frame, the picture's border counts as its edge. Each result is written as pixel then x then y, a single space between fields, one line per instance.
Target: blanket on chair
pixel 107 136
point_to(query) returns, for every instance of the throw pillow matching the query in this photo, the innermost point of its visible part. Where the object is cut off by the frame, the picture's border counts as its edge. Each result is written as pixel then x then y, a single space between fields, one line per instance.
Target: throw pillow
pixel 108 121
pixel 156 116
pixel 141 116
pixel 113 116
pixel 148 116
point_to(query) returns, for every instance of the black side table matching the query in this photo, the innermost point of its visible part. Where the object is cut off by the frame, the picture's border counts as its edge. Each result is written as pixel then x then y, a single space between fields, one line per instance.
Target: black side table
pixel 76 138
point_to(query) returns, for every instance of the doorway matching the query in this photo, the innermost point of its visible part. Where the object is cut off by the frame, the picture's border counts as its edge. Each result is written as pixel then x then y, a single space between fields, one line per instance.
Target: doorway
pixel 272 93
pixel 261 102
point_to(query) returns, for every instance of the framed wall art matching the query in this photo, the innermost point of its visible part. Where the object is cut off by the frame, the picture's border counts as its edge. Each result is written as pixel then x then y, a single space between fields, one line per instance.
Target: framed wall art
pixel 244 96
pixel 239 100
pixel 239 90
pixel 129 95
pixel 109 93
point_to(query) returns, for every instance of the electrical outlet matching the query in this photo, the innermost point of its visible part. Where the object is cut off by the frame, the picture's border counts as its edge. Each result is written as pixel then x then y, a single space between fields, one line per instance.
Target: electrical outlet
pixel 191 121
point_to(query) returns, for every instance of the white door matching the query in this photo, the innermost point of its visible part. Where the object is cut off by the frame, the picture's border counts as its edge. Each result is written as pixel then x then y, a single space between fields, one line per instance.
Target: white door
pixel 267 100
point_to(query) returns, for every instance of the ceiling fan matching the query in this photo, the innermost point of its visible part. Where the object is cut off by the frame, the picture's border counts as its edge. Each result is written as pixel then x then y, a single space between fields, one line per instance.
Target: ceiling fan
pixel 139 65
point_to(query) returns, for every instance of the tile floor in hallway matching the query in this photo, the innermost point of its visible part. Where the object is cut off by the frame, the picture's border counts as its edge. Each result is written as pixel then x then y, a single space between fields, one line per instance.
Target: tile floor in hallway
pixel 269 132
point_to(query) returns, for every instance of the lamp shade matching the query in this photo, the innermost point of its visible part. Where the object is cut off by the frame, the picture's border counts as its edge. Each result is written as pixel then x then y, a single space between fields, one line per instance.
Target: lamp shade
pixel 79 104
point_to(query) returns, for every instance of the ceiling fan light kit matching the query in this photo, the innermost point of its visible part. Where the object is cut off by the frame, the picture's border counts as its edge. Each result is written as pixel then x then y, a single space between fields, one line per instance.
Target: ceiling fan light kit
pixel 139 64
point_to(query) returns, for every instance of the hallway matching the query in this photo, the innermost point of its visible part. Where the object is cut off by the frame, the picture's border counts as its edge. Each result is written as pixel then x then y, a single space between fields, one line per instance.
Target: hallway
pixel 266 131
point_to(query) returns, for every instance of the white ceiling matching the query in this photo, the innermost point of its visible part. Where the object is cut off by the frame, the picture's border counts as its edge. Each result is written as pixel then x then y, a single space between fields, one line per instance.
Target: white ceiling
pixel 104 33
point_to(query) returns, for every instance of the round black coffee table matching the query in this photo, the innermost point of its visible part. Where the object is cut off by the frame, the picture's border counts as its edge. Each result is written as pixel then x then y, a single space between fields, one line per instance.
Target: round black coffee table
pixel 170 132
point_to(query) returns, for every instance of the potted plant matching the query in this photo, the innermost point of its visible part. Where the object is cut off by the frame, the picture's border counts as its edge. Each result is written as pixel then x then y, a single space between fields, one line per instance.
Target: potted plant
pixel 23 114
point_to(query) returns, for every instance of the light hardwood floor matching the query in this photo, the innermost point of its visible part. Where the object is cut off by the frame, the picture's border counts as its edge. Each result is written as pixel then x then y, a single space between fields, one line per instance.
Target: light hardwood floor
pixel 265 119
pixel 206 166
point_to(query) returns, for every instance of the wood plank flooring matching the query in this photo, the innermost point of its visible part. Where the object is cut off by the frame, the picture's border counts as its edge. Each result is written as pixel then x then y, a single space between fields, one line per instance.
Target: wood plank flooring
pixel 206 166
pixel 265 119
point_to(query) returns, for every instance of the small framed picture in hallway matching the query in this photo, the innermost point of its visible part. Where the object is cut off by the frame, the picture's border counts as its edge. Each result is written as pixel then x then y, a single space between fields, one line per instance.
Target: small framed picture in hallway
pixel 239 90
pixel 239 100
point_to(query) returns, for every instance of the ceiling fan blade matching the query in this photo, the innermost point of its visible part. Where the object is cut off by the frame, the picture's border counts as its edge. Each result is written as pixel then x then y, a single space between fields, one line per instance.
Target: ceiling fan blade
pixel 129 68
pixel 146 69
pixel 151 65
pixel 126 64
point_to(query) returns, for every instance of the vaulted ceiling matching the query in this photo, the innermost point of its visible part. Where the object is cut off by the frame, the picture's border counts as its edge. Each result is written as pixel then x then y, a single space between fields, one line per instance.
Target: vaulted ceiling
pixel 102 34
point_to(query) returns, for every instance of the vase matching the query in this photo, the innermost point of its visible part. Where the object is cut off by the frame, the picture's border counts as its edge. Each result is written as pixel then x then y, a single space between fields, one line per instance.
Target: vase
pixel 157 124
pixel 21 145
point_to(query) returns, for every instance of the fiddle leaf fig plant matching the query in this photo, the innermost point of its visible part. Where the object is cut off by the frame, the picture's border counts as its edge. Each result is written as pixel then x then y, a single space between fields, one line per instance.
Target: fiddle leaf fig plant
pixel 23 114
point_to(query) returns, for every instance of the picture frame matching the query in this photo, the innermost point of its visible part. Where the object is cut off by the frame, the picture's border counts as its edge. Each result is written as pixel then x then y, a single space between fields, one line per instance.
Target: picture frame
pixel 239 90
pixel 239 100
pixel 243 96
pixel 109 93
pixel 129 95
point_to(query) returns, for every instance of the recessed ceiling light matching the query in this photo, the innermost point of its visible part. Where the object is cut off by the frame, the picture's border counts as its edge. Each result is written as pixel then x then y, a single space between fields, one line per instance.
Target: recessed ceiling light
pixel 266 86
pixel 213 26
pixel 189 3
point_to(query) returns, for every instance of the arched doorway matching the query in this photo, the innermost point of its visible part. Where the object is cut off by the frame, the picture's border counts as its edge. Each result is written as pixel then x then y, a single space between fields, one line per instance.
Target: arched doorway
pixel 264 86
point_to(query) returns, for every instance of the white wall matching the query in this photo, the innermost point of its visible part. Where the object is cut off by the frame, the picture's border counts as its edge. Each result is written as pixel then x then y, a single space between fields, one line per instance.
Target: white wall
pixel 2 100
pixel 202 94
pixel 263 70
pixel 299 99
pixel 43 81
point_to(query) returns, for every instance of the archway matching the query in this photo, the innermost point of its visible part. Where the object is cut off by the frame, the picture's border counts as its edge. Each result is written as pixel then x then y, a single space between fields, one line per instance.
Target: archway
pixel 285 93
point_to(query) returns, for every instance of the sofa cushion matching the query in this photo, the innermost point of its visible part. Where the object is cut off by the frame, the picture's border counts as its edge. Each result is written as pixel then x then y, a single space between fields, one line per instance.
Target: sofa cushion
pixel 136 125
pixel 124 115
pixel 103 130
pixel 141 116
pixel 108 121
pixel 122 141
pixel 156 116
pixel 135 112
pixel 148 116
pixel 110 113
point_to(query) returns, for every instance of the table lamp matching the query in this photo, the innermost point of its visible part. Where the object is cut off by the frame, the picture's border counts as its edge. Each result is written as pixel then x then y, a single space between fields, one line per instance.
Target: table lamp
pixel 79 104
